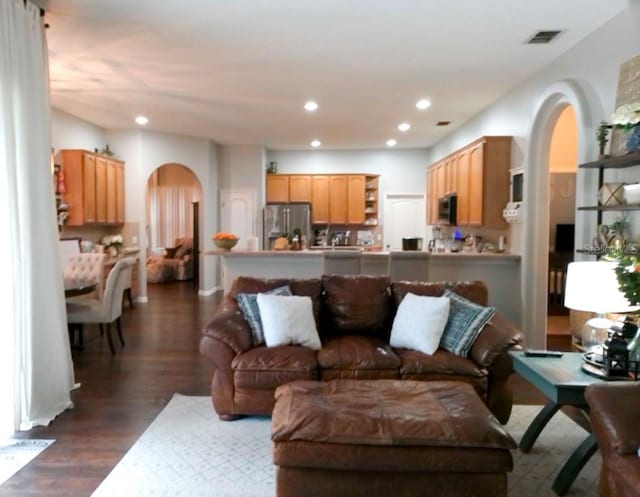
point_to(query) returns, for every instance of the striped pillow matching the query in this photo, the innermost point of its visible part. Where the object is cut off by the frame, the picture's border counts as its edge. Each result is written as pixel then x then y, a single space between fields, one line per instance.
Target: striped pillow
pixel 466 321
pixel 248 303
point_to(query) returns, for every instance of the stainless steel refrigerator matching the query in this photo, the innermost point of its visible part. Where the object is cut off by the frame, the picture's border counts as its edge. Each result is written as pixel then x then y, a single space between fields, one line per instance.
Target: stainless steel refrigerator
pixel 282 219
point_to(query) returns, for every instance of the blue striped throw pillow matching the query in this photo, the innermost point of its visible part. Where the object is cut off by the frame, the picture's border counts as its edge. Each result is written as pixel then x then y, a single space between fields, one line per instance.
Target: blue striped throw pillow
pixel 466 320
pixel 248 303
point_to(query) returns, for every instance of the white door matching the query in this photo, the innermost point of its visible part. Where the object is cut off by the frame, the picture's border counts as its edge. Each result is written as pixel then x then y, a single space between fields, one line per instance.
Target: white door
pixel 238 215
pixel 404 217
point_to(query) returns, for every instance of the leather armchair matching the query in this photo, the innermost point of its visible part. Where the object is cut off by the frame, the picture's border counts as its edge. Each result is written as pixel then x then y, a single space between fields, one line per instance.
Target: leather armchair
pixel 614 409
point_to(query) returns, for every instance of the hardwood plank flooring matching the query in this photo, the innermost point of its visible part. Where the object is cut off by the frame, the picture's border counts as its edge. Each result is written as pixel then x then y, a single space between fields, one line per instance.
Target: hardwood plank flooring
pixel 120 396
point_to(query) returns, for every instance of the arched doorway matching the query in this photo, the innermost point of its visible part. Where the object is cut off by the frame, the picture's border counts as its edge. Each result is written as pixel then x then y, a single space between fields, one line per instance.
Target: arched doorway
pixel 535 264
pixel 171 191
pixel 563 166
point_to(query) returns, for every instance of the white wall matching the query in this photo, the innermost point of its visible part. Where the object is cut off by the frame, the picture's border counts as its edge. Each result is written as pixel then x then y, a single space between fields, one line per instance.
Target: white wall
pixel 242 167
pixel 593 65
pixel 68 131
pixel 145 151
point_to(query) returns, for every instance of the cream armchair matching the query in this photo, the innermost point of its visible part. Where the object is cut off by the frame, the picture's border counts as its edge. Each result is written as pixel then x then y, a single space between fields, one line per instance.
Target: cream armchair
pixel 175 264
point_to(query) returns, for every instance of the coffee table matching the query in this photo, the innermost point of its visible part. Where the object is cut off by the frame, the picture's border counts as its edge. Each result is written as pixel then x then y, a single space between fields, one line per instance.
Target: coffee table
pixel 563 382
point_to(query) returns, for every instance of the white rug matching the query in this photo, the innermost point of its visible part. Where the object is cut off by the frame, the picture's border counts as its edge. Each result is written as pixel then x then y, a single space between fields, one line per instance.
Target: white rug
pixel 14 454
pixel 188 452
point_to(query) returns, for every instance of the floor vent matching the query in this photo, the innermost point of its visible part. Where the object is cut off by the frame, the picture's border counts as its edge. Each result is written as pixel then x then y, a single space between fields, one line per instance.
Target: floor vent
pixel 543 37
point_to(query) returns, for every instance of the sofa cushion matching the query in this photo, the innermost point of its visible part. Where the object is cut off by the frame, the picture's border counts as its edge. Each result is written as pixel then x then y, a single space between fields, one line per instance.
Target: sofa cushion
pixel 357 356
pixel 466 321
pixel 288 320
pixel 419 323
pixel 442 365
pixel 475 291
pixel 356 305
pixel 265 368
pixel 311 287
pixel 248 303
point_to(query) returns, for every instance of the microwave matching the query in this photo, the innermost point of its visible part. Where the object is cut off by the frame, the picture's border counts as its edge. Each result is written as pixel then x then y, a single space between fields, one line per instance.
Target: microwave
pixel 448 210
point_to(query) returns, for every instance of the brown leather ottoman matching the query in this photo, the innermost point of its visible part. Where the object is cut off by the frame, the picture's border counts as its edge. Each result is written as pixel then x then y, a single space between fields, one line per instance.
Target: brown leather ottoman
pixel 370 438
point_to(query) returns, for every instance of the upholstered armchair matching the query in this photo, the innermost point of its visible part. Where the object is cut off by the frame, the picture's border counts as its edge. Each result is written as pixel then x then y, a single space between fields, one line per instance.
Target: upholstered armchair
pixel 175 264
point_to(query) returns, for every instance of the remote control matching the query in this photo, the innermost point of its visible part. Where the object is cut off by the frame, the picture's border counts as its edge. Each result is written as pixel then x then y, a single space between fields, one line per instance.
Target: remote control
pixel 542 353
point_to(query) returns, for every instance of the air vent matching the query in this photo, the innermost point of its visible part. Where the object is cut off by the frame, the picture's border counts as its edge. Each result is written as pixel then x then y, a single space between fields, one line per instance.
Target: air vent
pixel 443 123
pixel 543 37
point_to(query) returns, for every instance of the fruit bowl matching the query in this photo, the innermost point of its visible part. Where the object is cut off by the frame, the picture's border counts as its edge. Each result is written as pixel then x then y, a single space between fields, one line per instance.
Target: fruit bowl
pixel 225 243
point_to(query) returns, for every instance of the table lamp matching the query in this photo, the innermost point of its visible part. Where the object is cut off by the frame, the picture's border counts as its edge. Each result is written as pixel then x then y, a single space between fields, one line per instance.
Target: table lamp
pixel 593 287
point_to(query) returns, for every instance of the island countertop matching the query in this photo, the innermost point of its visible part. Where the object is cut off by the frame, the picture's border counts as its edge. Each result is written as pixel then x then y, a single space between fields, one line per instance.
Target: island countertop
pixel 500 272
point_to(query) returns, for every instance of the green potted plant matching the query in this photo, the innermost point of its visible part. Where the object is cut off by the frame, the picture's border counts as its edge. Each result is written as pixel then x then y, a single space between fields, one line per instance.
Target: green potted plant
pixel 603 137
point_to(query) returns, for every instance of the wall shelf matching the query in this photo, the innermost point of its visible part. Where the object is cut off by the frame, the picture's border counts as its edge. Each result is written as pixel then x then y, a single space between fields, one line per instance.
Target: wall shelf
pixel 621 162
pixel 610 208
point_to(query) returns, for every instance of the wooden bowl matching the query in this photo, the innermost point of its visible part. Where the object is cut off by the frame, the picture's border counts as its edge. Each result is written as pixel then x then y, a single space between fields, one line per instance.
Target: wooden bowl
pixel 225 243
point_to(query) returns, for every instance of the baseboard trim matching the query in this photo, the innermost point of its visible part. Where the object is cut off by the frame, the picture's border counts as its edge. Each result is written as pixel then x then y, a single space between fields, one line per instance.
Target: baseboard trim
pixel 211 291
pixel 142 300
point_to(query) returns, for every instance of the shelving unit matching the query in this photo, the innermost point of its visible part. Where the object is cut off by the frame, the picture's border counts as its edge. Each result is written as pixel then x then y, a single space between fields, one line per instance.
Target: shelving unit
pixel 621 162
pixel 371 201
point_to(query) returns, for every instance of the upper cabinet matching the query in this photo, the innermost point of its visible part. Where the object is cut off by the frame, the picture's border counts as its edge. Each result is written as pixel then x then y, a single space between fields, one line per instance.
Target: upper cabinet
pixel 277 188
pixel 479 176
pixel 334 198
pixel 95 188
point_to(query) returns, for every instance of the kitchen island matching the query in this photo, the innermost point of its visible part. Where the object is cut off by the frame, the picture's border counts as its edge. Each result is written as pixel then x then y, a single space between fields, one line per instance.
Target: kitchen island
pixel 500 272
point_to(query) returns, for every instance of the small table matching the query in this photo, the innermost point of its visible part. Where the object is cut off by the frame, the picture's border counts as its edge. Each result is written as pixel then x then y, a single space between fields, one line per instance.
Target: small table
pixel 563 382
pixel 75 288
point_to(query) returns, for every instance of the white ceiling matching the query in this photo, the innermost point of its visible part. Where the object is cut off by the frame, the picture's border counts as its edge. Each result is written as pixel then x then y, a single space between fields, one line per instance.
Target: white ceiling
pixel 239 72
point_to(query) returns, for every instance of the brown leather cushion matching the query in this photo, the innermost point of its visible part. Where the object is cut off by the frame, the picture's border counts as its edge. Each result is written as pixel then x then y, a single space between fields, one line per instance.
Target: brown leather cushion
pixel 442 365
pixel 170 252
pixel 476 291
pixel 356 304
pixel 357 352
pixel 268 367
pixel 311 287
pixel 386 412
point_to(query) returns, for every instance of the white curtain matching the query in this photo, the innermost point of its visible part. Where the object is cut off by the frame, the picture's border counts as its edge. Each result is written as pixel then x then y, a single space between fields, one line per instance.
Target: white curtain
pixel 36 372
pixel 170 214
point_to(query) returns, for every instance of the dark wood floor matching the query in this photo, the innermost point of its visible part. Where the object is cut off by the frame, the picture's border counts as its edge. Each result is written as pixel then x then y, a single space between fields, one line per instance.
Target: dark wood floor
pixel 121 395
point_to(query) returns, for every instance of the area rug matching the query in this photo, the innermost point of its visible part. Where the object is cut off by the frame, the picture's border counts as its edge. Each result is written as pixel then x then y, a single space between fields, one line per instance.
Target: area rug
pixel 188 452
pixel 15 454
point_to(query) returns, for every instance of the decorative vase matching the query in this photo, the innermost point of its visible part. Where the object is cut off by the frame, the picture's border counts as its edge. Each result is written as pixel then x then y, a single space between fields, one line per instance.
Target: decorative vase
pixel 632 140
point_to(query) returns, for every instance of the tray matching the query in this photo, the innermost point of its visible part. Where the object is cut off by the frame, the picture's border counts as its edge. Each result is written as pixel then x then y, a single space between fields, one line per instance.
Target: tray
pixel 594 365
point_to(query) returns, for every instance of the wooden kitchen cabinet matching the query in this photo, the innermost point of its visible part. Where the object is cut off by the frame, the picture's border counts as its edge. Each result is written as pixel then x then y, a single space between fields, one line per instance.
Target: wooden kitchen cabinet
pixel 277 188
pixel 95 187
pixel 487 185
pixel 119 192
pixel 338 207
pixel 356 195
pixel 320 199
pixel 462 187
pixel 299 188
pixel 479 176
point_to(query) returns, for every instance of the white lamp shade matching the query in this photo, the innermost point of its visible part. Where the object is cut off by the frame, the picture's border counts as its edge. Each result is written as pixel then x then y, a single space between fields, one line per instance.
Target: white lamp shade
pixel 593 286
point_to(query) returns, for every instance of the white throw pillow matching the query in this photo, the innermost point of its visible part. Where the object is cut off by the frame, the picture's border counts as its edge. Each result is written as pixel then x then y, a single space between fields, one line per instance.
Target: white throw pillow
pixel 288 320
pixel 419 323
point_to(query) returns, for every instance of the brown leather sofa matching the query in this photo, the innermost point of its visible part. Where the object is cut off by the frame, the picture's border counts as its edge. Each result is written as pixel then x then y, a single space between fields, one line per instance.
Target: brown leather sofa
pixel 614 409
pixel 354 315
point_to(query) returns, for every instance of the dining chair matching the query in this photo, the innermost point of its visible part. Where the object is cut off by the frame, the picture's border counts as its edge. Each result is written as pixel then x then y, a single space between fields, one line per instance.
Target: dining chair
pixel 86 268
pixel 108 310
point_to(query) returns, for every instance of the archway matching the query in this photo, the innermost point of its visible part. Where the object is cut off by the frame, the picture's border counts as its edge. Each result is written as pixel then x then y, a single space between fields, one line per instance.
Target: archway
pixel 535 264
pixel 171 191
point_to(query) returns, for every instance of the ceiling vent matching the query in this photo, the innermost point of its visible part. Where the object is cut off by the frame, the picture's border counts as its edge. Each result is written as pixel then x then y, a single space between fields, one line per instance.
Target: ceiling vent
pixel 443 123
pixel 542 37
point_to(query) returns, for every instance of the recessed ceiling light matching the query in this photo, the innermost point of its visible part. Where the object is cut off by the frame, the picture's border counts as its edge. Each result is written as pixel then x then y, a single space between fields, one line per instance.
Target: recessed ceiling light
pixel 423 104
pixel 404 127
pixel 310 106
pixel 391 143
pixel 142 120
pixel 316 143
